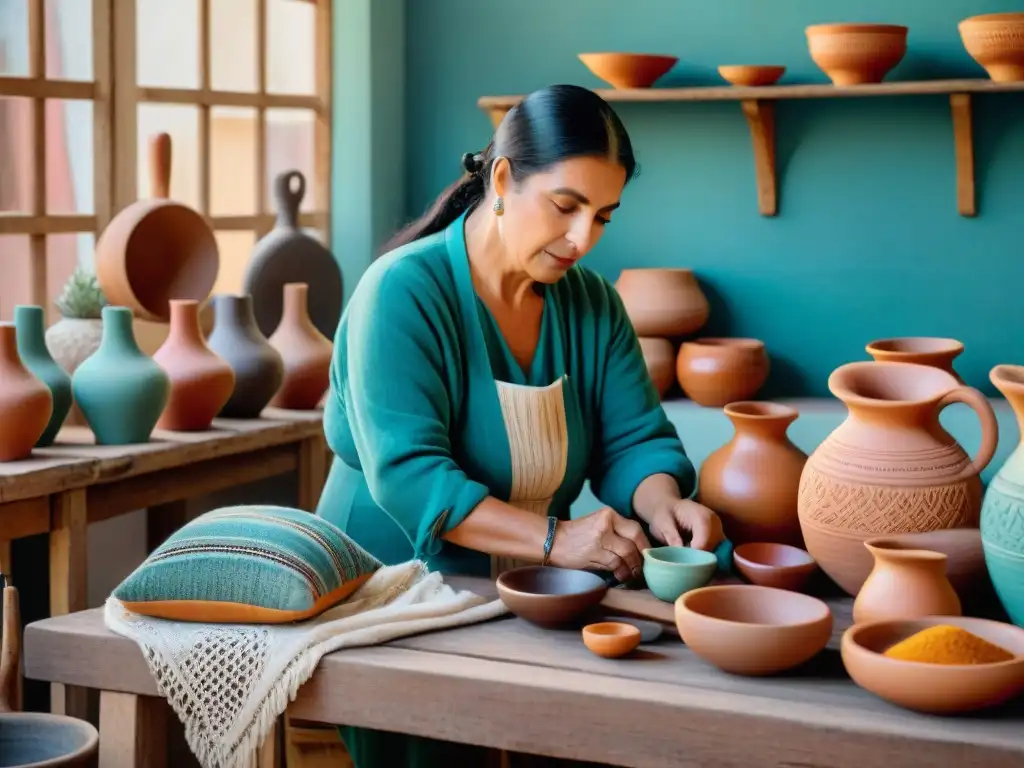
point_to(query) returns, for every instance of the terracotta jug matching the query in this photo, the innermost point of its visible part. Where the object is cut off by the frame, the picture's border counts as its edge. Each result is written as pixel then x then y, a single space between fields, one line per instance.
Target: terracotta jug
pixel 201 382
pixel 925 350
pixel 714 372
pixel 890 467
pixel 904 584
pixel 660 359
pixel 752 481
pixel 306 353
pixel 25 401
pixel 663 302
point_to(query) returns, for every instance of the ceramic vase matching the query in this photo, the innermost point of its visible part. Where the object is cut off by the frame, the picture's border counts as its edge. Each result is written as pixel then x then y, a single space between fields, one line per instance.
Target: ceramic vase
pixel 904 584
pixel 714 372
pixel 1002 513
pixel 753 480
pixel 201 382
pixel 925 350
pixel 890 467
pixel 663 302
pixel 71 341
pixel 257 366
pixel 306 353
pixel 660 359
pixel 120 390
pixel 30 323
pixel 25 401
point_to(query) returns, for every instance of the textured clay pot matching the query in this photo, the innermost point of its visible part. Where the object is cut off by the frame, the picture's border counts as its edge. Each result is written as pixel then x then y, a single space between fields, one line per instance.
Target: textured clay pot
pixel 201 382
pixel 965 558
pixel 715 371
pixel 856 54
pixel 924 350
pixel 996 42
pixel 663 302
pixel 257 366
pixel 25 401
pixel 72 341
pixel 120 390
pixel 904 584
pixel 890 467
pixel 660 358
pixel 306 353
pixel 753 480
pixel 750 75
pixel 628 70
pixel 1002 514
pixel 30 322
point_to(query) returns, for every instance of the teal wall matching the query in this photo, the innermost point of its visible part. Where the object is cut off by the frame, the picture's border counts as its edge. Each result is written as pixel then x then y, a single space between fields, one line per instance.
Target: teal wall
pixel 868 242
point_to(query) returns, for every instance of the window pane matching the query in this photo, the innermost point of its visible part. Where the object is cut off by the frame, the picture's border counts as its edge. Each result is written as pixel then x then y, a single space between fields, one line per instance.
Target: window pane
pixel 168 43
pixel 291 47
pixel 233 54
pixel 182 123
pixel 63 254
pixel 69 157
pixel 290 147
pixel 17 179
pixel 14 37
pixel 235 250
pixel 232 161
pixel 68 39
pixel 14 256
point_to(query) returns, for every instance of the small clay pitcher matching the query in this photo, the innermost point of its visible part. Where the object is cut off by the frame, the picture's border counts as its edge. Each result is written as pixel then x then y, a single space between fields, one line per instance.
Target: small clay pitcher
pixel 201 382
pixel 717 371
pixel 924 350
pixel 660 359
pixel 306 353
pixel 663 302
pixel 904 584
pixel 26 404
pixel 30 322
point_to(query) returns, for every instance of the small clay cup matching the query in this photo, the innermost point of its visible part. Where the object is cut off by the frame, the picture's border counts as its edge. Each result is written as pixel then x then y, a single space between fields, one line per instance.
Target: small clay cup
pixel 774 565
pixel 672 571
pixel 751 75
pixel 611 639
pixel 628 70
pixel 751 630
pixel 550 597
pixel 714 372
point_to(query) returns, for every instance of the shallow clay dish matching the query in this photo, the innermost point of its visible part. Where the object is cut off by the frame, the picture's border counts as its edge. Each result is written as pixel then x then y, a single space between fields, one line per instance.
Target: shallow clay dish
pixel 611 639
pixel 751 630
pixel 752 75
pixel 937 689
pixel 550 597
pixel 628 70
pixel 774 565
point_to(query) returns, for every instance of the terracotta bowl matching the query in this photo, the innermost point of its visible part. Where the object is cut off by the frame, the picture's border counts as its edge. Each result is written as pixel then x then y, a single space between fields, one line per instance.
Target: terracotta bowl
pixel 550 597
pixel 924 350
pixel 996 42
pixel 937 689
pixel 774 565
pixel 611 639
pixel 628 70
pixel 965 558
pixel 751 630
pixel 856 54
pixel 714 372
pixel 752 75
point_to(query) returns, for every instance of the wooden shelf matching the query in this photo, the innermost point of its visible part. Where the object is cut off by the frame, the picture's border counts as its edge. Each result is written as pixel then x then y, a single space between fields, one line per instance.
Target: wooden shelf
pixel 759 109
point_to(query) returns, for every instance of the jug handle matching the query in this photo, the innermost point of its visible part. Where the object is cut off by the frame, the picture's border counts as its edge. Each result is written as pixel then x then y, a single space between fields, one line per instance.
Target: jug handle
pixel 989 425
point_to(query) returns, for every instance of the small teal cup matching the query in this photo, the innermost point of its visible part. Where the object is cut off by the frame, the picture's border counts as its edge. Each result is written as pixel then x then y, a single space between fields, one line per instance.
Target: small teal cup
pixel 672 571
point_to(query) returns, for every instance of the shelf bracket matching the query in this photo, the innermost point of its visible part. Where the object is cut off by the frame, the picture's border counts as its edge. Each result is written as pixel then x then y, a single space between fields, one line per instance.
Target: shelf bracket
pixel 760 116
pixel 963 141
pixel 497 114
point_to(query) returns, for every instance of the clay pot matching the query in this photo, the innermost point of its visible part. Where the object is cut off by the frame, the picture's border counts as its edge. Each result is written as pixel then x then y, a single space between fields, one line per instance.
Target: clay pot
pixel 996 42
pixel 30 322
pixel 663 302
pixel 890 467
pixel 155 250
pixel 752 481
pixel 72 341
pixel 660 358
pixel 965 558
pixel 25 401
pixel 716 371
pixel 904 584
pixel 924 350
pixel 306 353
pixel 201 382
pixel 628 70
pixel 855 54
pixel 751 75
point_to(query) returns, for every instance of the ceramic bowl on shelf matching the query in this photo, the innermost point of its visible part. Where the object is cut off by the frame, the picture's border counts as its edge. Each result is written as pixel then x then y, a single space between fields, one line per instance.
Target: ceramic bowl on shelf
pixel 856 54
pixel 671 571
pixel 751 630
pixel 996 42
pixel 774 565
pixel 938 689
pixel 628 70
pixel 611 639
pixel 751 75
pixel 549 596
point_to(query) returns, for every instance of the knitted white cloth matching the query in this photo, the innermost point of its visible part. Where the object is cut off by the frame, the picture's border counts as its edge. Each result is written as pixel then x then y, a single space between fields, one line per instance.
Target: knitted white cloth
pixel 230 682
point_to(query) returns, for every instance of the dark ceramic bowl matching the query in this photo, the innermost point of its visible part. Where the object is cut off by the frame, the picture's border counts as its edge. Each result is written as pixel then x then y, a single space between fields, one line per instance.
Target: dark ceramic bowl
pixel 550 597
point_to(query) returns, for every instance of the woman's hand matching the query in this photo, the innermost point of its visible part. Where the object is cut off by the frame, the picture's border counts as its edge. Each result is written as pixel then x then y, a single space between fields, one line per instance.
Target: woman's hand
pixel 603 540
pixel 703 525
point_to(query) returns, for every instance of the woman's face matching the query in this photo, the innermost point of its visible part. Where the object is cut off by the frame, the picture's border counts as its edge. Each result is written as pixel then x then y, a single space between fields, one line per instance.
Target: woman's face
pixel 552 219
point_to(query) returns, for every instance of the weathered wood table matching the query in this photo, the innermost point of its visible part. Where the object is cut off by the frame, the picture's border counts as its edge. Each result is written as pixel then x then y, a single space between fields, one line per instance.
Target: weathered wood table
pixel 511 686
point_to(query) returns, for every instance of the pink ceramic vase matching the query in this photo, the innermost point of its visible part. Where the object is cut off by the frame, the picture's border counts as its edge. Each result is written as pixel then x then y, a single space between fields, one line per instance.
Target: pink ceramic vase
pixel 306 353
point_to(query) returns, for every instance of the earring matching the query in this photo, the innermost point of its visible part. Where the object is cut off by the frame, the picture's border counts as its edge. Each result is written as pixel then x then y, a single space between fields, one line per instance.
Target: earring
pixel 499 206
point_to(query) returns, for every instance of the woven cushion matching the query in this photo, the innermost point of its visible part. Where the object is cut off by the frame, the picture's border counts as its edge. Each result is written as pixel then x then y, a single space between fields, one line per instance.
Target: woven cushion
pixel 248 564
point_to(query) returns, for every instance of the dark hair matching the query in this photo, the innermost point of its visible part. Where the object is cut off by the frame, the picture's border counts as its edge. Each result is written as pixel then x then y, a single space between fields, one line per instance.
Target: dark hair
pixel 547 127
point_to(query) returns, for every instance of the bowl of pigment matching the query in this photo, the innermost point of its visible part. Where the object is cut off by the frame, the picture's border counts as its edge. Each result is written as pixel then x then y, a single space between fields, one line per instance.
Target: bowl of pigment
pixel 548 596
pixel 940 665
pixel 673 571
pixel 774 565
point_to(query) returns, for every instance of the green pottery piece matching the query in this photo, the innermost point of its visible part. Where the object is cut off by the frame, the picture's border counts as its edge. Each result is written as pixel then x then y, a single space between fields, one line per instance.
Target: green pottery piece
pixel 30 326
pixel 672 571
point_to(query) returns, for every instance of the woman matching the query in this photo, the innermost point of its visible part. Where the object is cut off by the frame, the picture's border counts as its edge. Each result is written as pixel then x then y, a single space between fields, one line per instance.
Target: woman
pixel 481 375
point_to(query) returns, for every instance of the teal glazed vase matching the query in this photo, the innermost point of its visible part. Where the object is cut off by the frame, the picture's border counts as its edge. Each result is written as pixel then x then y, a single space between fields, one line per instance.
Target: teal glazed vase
pixel 1002 511
pixel 120 390
pixel 30 326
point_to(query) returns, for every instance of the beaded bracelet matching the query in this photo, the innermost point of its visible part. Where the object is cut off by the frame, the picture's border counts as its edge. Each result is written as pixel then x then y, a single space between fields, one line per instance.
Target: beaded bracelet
pixel 550 540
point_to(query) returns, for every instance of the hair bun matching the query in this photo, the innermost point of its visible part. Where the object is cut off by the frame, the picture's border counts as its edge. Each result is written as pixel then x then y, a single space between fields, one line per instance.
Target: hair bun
pixel 472 162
